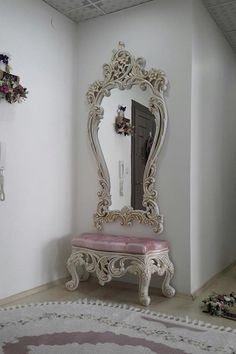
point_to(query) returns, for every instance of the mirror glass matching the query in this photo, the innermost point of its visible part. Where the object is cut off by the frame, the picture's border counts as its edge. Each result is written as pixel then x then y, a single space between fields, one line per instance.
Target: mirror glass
pixel 125 135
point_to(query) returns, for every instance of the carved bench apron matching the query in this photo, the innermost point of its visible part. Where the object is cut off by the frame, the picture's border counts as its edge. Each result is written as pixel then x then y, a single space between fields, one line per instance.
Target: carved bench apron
pixel 110 256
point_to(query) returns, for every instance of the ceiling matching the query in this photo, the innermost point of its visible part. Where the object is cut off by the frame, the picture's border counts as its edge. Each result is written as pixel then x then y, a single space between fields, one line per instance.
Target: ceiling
pixel 224 14
pixel 81 10
pixel 222 11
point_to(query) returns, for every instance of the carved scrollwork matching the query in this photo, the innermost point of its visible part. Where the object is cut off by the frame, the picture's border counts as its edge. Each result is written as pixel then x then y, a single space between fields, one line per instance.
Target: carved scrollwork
pixel 108 265
pixel 123 72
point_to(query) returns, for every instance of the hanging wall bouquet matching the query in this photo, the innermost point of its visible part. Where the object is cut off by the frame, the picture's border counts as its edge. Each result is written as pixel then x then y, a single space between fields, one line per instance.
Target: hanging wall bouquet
pixel 10 88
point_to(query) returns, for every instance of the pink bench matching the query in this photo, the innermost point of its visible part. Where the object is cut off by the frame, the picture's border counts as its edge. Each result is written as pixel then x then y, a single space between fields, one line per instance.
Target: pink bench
pixel 113 256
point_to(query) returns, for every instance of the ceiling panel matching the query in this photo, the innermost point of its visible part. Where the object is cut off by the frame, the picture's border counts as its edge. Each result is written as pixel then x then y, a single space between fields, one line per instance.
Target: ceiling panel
pixel 217 2
pixel 232 38
pixel 112 6
pixel 222 11
pixel 81 10
pixel 82 14
pixel 65 6
pixel 224 14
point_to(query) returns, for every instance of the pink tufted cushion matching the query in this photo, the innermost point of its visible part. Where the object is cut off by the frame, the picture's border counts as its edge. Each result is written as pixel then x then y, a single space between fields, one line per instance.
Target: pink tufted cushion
pixel 123 244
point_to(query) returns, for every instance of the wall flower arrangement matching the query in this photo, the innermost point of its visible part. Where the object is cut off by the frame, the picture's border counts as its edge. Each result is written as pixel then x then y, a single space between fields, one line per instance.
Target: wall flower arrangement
pixel 10 88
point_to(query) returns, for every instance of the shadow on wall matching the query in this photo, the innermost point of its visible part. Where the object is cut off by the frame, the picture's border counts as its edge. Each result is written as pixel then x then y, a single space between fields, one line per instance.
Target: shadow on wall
pixel 54 257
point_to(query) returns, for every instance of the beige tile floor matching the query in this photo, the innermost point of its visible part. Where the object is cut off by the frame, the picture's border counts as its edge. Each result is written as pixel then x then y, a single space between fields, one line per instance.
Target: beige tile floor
pixel 120 293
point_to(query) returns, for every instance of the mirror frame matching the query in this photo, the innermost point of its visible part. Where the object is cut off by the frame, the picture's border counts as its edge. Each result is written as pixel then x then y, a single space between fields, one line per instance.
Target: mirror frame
pixel 123 72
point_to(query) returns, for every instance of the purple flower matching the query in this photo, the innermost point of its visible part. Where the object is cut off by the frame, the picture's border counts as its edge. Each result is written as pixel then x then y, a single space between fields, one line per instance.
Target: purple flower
pixel 4 88
pixel 18 89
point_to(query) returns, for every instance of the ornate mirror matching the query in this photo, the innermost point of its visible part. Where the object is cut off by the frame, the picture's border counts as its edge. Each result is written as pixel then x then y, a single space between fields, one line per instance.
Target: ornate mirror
pixel 127 125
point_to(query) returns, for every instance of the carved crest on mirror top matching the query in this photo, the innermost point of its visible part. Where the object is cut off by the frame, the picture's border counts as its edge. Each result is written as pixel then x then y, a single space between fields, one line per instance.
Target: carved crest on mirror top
pixel 123 72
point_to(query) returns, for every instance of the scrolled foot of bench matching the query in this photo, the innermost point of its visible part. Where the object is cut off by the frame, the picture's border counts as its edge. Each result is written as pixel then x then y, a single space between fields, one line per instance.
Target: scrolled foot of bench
pixel 167 289
pixel 144 281
pixel 72 269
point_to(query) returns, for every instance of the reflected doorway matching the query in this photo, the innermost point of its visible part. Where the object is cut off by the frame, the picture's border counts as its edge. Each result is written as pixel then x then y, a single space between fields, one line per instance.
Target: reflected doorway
pixel 144 125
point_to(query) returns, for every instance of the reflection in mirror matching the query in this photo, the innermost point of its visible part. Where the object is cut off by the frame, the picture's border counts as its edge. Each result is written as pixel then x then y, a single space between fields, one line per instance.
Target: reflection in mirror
pixel 126 134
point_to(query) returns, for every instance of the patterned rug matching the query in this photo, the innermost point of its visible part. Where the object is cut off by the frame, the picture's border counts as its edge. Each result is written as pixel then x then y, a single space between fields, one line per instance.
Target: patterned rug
pixel 88 327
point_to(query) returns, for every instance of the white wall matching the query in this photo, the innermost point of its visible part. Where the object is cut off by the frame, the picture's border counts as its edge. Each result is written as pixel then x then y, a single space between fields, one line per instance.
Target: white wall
pixel 161 32
pixel 213 166
pixel 36 218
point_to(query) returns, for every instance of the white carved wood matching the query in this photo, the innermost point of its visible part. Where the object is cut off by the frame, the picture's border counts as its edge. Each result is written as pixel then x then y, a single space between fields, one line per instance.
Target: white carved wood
pixel 123 72
pixel 108 265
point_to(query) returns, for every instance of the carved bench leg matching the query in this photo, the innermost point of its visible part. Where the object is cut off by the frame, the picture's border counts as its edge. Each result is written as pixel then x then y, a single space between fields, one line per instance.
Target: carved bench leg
pixel 72 269
pixel 72 265
pixel 167 289
pixel 144 281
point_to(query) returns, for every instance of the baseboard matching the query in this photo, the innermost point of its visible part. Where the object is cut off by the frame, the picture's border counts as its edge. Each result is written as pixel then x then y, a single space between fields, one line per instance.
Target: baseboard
pixel 117 283
pixel 38 289
pixel 209 282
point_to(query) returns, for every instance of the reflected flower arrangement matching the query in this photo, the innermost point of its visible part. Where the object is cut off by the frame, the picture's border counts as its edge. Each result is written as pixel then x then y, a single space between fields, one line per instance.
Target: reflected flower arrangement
pixel 122 124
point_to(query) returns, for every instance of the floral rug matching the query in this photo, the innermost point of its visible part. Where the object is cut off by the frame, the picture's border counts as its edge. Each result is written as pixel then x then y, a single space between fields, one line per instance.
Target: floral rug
pixel 88 327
